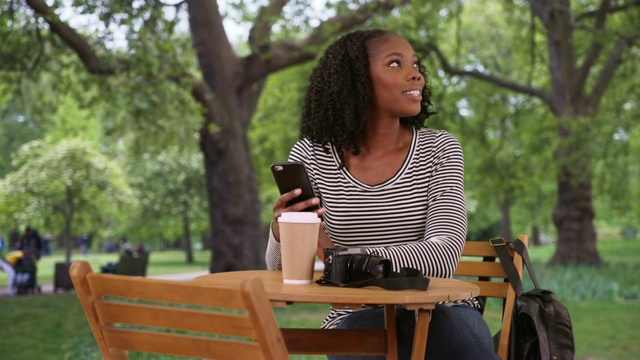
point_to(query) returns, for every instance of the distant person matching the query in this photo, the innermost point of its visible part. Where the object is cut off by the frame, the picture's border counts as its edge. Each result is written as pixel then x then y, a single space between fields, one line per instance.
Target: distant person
pixel 7 264
pixel 126 250
pixel 84 241
pixel 46 245
pixel 108 246
pixel 2 244
pixel 140 251
pixel 31 241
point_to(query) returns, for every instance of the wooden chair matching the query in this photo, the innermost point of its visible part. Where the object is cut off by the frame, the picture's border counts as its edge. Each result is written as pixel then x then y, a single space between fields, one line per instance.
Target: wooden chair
pixel 129 313
pixel 479 262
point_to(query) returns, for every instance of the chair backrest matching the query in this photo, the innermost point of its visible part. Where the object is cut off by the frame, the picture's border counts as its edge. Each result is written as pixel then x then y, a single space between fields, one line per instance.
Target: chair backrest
pixel 479 263
pixel 136 266
pixel 128 313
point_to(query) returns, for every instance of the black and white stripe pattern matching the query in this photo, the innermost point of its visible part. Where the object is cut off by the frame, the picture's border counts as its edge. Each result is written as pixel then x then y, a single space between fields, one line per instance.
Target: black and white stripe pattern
pixel 417 218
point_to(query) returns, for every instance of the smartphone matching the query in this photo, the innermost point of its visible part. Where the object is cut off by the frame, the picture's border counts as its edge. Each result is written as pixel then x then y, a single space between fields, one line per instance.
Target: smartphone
pixel 293 175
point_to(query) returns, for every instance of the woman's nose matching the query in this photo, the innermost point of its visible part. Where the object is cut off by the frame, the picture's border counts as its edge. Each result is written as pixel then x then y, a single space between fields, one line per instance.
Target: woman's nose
pixel 415 76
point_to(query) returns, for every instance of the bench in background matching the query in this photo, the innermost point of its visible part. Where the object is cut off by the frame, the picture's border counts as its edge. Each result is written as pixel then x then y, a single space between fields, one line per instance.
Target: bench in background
pixel 135 266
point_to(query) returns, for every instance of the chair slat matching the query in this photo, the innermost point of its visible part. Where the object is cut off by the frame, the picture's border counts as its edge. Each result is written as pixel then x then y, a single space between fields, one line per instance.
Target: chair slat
pixel 175 318
pixel 492 289
pixel 479 268
pixel 163 290
pixel 481 249
pixel 181 345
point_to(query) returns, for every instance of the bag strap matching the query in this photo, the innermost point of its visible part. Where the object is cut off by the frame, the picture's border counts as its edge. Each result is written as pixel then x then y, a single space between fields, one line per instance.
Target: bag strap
pixel 519 247
pixel 507 264
pixel 499 244
pixel 406 279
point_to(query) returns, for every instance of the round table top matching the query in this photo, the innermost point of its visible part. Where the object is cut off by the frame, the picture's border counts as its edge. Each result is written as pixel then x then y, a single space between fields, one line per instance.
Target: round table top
pixel 439 290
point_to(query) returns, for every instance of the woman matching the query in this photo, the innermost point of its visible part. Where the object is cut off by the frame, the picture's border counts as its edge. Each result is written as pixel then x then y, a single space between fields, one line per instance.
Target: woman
pixel 385 182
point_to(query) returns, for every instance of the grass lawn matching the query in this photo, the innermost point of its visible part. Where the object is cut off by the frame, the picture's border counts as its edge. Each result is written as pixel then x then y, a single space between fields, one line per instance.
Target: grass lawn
pixel 604 305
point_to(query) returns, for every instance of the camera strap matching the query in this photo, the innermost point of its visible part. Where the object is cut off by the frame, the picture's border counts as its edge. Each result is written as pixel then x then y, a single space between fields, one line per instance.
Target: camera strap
pixel 406 279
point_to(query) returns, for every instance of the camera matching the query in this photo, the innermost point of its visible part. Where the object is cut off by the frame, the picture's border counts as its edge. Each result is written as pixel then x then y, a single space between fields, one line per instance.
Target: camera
pixel 349 265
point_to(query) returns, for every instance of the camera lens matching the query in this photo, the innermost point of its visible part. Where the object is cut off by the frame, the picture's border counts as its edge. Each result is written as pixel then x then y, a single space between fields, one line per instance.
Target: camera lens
pixel 362 267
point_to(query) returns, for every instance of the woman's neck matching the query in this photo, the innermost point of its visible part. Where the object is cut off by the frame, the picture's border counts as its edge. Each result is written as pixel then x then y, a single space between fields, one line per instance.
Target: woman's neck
pixel 379 138
pixel 382 152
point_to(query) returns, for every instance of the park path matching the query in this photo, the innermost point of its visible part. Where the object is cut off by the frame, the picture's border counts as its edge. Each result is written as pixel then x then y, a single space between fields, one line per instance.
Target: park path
pixel 48 288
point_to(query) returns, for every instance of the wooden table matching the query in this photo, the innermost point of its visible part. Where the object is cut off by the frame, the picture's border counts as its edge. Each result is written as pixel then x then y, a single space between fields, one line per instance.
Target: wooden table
pixel 353 341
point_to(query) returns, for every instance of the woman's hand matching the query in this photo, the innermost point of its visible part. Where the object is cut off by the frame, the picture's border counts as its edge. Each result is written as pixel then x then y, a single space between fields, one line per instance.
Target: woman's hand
pixel 281 206
pixel 323 242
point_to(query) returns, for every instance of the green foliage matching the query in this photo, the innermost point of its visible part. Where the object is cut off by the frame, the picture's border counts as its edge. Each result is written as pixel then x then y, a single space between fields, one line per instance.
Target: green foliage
pixel 616 169
pixel 275 129
pixel 170 189
pixel 61 101
pixel 61 185
pixel 510 140
pixel 149 111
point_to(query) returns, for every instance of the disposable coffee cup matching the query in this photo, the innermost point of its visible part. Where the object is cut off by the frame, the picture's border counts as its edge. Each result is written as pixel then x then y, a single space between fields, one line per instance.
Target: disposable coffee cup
pixel 298 244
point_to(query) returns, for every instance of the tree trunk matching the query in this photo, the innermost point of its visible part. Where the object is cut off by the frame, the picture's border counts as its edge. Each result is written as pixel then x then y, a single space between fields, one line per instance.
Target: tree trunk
pixel 571 103
pixel 234 207
pixel 67 240
pixel 535 235
pixel 574 213
pixel 505 220
pixel 68 221
pixel 186 237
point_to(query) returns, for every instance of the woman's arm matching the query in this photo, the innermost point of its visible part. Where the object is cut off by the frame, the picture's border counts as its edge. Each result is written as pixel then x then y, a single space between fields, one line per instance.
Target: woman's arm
pixel 272 254
pixel 446 223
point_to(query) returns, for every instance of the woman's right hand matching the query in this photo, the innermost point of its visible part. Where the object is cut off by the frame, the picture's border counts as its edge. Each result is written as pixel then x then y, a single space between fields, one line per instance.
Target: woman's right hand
pixel 281 206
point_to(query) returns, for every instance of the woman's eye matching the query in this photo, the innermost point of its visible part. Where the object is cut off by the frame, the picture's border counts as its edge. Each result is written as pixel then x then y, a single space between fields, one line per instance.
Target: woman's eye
pixel 394 63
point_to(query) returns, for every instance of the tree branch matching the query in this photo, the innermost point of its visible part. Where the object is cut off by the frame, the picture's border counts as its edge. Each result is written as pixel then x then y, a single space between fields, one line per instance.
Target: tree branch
pixel 286 53
pixel 606 74
pixel 85 51
pixel 505 83
pixel 261 29
pixel 611 10
pixel 595 49
pixel 215 53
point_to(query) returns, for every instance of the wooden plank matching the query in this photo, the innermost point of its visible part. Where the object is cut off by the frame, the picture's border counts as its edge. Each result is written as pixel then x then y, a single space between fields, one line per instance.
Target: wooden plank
pixel 162 290
pixel 493 289
pixel 335 341
pixel 479 268
pixel 183 345
pixel 175 318
pixel 481 249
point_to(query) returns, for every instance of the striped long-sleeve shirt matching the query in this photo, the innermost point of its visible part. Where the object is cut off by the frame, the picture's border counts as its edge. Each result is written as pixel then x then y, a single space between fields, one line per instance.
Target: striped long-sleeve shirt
pixel 417 218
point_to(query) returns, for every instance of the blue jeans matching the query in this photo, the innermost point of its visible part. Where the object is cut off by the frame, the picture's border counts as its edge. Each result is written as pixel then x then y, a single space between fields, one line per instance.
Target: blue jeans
pixel 455 333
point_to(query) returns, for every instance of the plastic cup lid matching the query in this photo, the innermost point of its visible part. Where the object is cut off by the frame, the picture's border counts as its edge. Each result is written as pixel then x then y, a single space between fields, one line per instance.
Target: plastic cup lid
pixel 299 217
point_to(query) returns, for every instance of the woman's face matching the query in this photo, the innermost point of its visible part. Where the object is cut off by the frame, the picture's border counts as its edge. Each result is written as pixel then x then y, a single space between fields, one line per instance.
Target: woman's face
pixel 397 82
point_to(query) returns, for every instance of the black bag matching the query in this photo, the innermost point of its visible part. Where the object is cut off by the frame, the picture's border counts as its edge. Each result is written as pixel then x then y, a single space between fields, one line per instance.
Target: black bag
pixel 540 324
pixel 353 267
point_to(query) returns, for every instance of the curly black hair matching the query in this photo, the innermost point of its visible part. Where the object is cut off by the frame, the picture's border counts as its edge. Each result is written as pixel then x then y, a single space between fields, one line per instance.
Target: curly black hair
pixel 340 92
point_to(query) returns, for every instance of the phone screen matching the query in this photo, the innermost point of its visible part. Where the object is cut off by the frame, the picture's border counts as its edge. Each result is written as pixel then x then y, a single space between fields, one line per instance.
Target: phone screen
pixel 293 175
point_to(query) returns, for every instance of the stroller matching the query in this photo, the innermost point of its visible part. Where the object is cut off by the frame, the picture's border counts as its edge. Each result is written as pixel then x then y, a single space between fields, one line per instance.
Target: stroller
pixel 26 281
